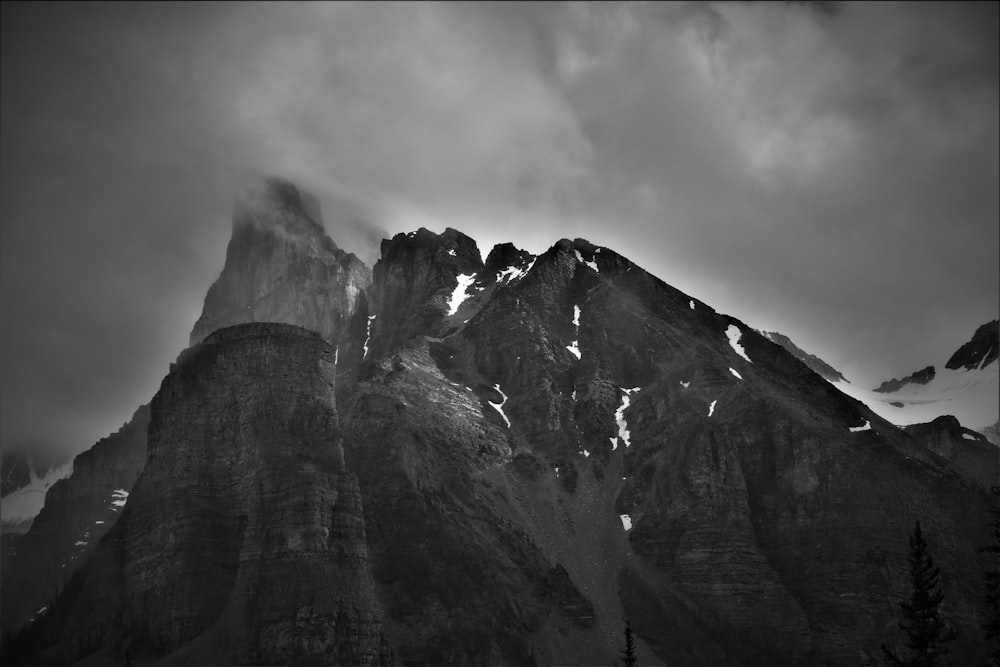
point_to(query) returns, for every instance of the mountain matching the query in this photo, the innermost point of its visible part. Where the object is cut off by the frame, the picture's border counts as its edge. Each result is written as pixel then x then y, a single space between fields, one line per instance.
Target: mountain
pixel 498 462
pixel 282 267
pixel 78 511
pixel 820 367
pixel 980 351
pixel 963 387
pixel 26 480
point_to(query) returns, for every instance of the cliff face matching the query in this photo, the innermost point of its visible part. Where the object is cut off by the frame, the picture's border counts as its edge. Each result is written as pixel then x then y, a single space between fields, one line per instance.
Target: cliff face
pixel 982 350
pixel 244 539
pixel 751 489
pixel 281 267
pixel 78 511
pixel 819 366
pixel 513 457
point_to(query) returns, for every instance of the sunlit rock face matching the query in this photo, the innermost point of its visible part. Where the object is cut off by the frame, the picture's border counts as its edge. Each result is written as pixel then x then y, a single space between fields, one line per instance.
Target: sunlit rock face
pixel 520 454
pixel 282 267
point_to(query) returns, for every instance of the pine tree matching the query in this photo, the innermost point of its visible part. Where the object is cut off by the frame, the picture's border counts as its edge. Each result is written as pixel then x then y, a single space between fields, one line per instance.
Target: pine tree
pixel 628 655
pixel 991 578
pixel 926 632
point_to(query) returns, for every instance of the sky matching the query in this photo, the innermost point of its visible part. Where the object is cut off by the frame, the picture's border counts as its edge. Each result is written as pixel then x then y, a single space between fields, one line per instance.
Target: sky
pixel 825 170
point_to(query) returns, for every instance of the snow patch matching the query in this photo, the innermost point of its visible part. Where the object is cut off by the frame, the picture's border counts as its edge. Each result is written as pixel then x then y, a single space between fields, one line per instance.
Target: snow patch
pixel 866 427
pixel 79 543
pixel 691 304
pixel 592 264
pixel 574 349
pixel 459 295
pixel 576 316
pixel 733 371
pixel 25 503
pixel 626 521
pixel 685 384
pixel 734 334
pixel 512 273
pixel 586 454
pixel 368 335
pixel 451 252
pixel 499 406
pixel 623 432
pixel 968 436
pixel 98 522
pixel 711 408
pixel 118 498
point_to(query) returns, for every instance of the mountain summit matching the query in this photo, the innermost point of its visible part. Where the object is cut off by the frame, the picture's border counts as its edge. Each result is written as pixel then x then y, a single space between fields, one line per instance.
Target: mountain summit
pixel 469 462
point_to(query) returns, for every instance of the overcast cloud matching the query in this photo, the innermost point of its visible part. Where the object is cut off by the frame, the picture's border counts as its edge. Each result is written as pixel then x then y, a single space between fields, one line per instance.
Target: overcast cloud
pixel 829 171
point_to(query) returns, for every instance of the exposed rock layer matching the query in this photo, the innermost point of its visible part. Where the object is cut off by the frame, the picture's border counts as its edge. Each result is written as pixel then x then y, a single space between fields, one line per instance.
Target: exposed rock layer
pixel 78 511
pixel 980 351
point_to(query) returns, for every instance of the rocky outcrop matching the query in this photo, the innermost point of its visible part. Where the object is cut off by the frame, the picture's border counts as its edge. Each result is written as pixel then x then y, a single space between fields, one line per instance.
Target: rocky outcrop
pixel 282 267
pixel 78 512
pixel 923 376
pixel 969 452
pixel 244 539
pixel 533 449
pixel 817 365
pixel 980 351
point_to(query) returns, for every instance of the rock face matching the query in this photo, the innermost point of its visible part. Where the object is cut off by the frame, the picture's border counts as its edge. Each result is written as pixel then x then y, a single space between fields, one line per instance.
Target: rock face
pixel 923 376
pixel 968 451
pixel 281 267
pixel 78 512
pixel 244 539
pixel 818 366
pixel 979 352
pixel 518 455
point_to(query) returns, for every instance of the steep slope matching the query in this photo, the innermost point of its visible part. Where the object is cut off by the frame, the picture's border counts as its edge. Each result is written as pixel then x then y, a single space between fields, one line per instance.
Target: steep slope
pixel 78 511
pixel 244 539
pixel 823 369
pixel 28 484
pixel 543 446
pixel 970 452
pixel 281 267
pixel 672 479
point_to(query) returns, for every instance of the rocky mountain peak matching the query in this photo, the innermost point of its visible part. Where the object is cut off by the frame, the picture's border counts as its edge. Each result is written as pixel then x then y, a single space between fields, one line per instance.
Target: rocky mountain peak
pixel 980 351
pixel 282 267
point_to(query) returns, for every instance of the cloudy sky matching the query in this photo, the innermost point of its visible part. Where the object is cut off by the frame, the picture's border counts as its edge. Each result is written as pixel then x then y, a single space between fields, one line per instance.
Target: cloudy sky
pixel 827 171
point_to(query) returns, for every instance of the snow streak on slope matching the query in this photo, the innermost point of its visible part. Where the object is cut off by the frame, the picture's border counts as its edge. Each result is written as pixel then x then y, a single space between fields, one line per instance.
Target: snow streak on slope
pixel 368 335
pixel 734 334
pixel 21 506
pixel 499 406
pixel 623 433
pixel 459 295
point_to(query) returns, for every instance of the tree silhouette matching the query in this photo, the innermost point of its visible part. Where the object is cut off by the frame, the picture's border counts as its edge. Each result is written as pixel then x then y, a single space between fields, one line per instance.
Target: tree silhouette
pixel 628 655
pixel 926 632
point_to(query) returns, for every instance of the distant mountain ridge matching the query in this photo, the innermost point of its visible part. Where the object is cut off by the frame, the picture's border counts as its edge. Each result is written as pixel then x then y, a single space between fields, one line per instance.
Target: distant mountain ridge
pixel 452 461
pixel 822 368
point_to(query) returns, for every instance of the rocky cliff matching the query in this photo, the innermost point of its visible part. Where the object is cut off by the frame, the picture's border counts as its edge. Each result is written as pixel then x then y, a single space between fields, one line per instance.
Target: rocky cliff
pixel 980 351
pixel 819 366
pixel 244 539
pixel 515 456
pixel 923 376
pixel 282 267
pixel 79 510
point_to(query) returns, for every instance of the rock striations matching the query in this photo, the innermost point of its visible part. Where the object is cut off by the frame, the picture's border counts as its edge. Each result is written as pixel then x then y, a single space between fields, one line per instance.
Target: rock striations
pixel 282 267
pixel 515 456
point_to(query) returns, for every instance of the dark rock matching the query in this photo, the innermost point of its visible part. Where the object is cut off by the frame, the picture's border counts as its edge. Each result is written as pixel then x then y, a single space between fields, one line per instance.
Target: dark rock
pixel 819 366
pixel 980 351
pixel 969 452
pixel 79 510
pixel 923 376
pixel 244 539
